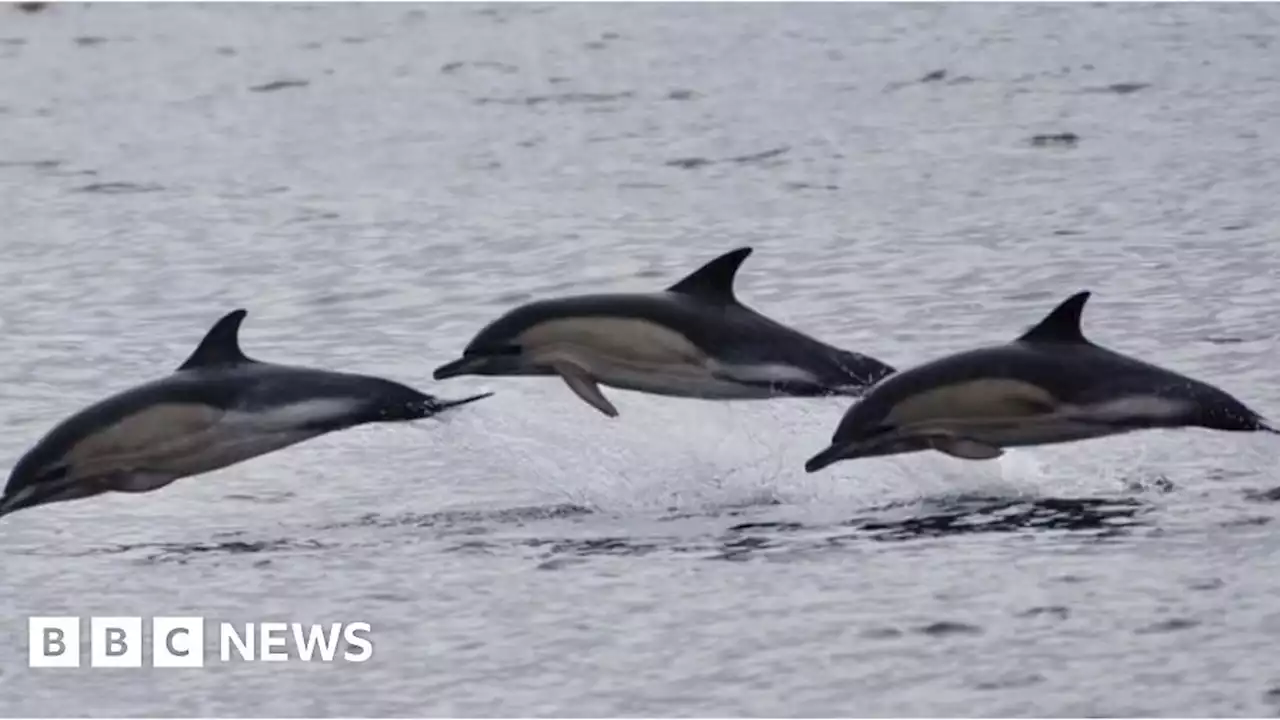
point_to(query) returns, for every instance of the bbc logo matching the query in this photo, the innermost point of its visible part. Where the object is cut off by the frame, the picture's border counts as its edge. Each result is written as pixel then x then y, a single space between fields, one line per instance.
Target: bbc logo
pixel 179 642
pixel 176 642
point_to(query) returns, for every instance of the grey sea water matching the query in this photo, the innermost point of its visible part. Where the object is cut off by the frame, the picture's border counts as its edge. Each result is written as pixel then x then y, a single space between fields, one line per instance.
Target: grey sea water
pixel 374 182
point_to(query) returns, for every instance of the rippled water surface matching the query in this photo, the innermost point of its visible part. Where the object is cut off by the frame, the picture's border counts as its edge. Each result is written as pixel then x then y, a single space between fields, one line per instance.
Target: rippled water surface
pixel 375 182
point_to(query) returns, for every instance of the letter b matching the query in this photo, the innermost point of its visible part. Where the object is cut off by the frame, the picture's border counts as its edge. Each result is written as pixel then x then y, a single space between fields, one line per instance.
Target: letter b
pixel 115 642
pixel 116 645
pixel 53 642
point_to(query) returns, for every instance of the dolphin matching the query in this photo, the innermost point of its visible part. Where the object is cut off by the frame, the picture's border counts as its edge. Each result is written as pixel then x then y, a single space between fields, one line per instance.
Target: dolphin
pixel 1050 385
pixel 217 409
pixel 694 339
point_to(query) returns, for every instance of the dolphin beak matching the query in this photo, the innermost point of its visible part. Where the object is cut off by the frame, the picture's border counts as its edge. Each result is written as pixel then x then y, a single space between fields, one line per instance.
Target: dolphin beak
pixel 467 365
pixel 51 487
pixel 827 457
pixel 890 443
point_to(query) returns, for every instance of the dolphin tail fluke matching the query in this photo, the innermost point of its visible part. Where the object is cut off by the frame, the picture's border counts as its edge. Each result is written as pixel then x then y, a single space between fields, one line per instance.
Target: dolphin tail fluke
pixel 436 405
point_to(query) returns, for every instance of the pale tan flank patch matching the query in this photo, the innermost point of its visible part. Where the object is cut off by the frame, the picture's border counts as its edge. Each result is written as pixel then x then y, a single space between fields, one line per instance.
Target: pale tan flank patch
pixel 154 437
pixel 619 341
pixel 986 398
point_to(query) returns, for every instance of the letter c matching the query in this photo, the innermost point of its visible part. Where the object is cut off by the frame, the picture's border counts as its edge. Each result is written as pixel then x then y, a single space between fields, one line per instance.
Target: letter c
pixel 168 642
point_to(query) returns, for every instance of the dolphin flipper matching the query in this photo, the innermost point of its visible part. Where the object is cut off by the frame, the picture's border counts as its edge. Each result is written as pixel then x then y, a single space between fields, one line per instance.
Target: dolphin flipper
pixel 584 386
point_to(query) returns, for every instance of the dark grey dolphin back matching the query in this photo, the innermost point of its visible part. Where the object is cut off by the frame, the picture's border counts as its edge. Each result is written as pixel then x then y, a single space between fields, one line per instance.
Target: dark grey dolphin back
pixel 710 285
pixel 221 345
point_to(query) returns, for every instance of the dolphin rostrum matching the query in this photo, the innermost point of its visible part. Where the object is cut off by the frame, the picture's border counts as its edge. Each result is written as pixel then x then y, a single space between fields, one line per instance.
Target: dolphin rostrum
pixel 1051 385
pixel 693 339
pixel 217 409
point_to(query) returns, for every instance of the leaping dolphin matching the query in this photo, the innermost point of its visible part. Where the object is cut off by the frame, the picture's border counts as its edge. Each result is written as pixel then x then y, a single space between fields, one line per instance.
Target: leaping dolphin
pixel 695 339
pixel 1051 385
pixel 217 409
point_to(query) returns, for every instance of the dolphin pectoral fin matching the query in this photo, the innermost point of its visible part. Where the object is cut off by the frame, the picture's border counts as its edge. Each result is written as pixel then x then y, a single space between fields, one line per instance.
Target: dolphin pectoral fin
pixel 965 448
pixel 584 386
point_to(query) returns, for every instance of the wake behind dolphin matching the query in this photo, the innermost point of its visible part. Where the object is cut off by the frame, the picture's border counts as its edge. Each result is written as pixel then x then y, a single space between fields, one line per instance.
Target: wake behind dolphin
pixel 695 339
pixel 1051 385
pixel 217 409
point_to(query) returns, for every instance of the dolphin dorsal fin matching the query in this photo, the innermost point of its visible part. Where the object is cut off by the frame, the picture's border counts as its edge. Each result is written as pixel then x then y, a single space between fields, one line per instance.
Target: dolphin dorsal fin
pixel 221 345
pixel 714 281
pixel 1062 325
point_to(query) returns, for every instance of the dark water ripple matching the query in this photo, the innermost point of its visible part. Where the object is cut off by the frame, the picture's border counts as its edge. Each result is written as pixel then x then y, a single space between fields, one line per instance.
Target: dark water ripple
pixel 1093 517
